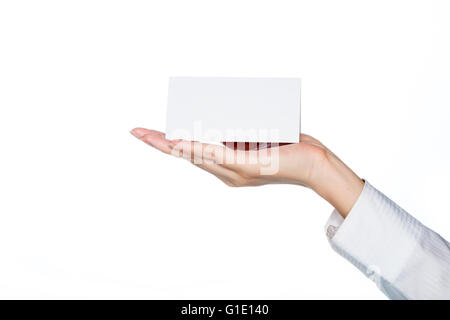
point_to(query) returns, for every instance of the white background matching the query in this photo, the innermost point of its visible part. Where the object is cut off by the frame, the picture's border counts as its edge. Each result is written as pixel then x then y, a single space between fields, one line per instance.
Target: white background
pixel 88 211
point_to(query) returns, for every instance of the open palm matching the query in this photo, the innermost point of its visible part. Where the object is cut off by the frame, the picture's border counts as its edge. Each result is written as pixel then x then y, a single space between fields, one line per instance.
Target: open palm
pixel 240 165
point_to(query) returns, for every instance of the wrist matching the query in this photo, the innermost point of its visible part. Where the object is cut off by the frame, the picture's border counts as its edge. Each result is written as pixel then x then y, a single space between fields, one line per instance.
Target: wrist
pixel 337 184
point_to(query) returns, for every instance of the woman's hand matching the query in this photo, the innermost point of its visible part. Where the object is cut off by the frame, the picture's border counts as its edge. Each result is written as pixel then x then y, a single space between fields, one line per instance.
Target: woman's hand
pixel 288 163
pixel 308 163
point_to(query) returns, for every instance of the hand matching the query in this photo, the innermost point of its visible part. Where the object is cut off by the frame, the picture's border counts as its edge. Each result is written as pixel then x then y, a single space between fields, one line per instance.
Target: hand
pixel 288 163
pixel 308 163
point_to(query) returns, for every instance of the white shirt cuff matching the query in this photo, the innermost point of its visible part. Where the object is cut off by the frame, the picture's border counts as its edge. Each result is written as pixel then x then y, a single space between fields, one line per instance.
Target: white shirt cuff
pixel 391 248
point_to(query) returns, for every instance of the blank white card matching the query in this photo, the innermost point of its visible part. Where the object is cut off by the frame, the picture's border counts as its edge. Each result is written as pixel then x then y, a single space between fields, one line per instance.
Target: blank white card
pixel 234 109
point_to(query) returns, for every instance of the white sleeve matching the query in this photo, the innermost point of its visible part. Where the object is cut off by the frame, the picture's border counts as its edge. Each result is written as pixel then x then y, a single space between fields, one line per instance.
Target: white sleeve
pixel 403 257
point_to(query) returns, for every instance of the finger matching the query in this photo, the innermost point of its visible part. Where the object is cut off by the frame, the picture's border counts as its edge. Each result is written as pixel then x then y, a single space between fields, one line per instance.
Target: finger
pixel 199 152
pixel 140 132
pixel 210 158
pixel 219 171
pixel 153 138
pixel 238 155
pixel 237 161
